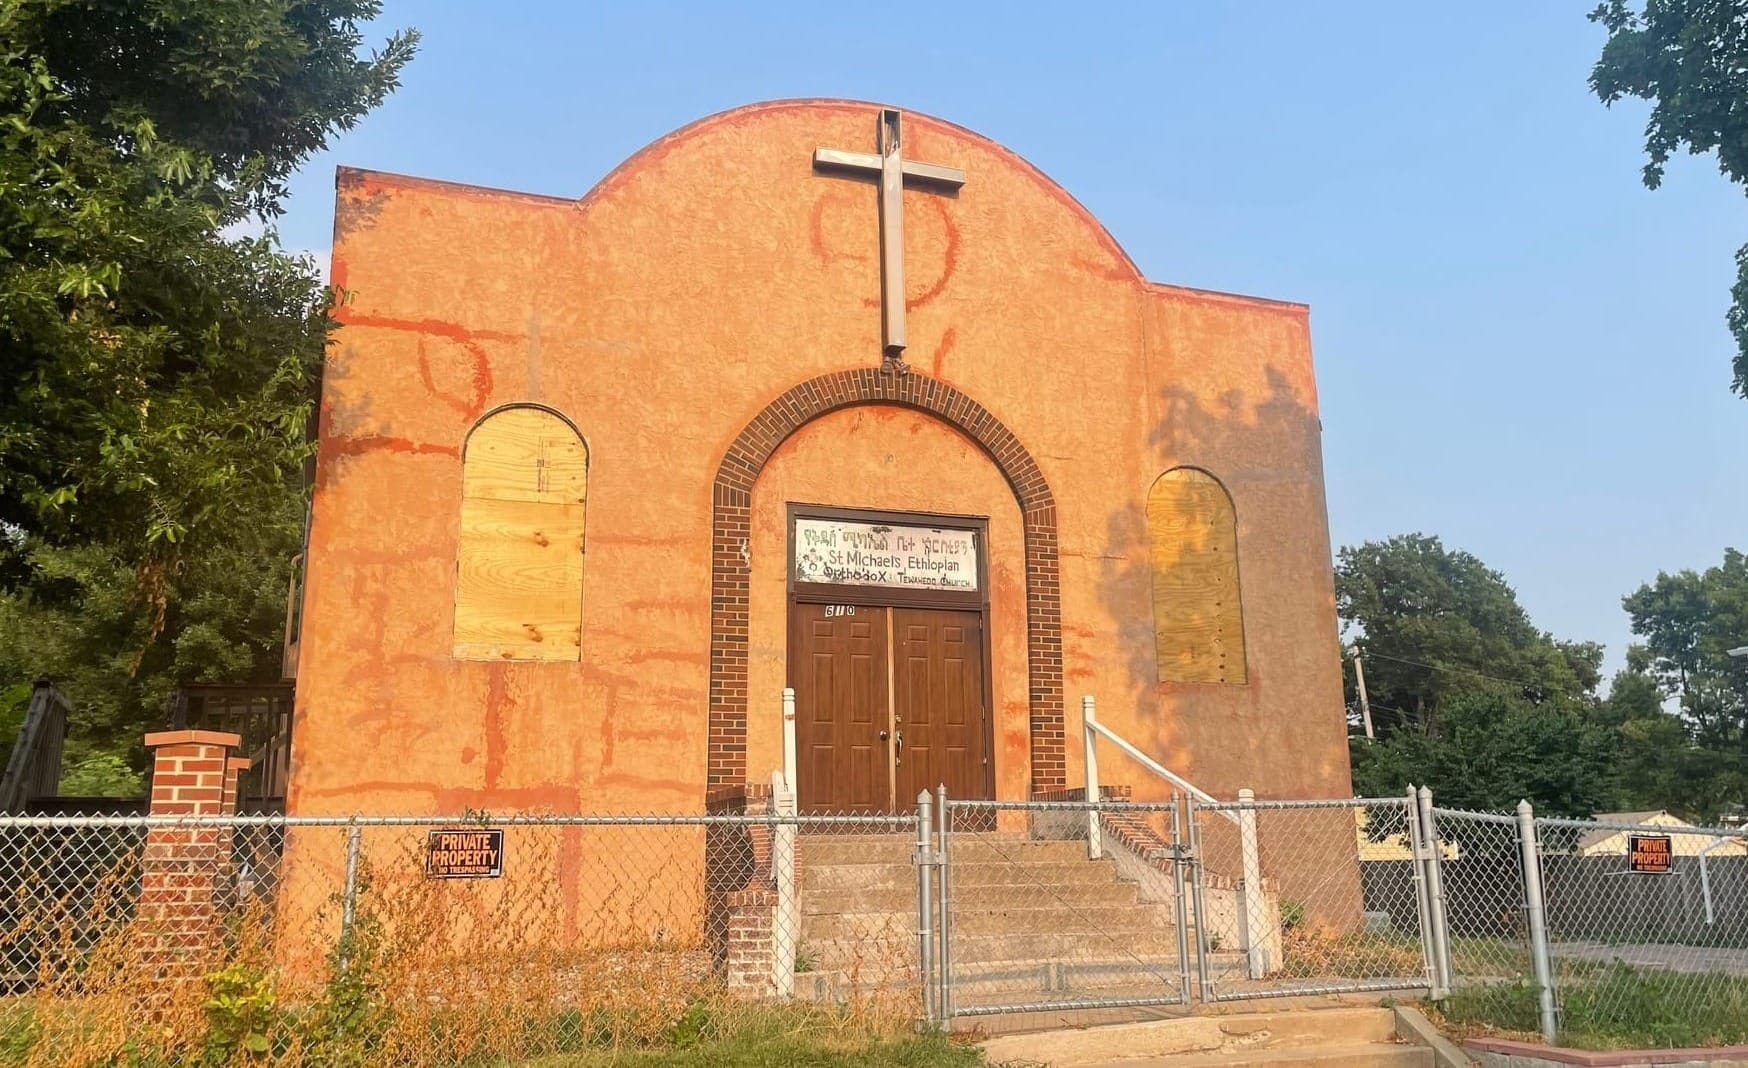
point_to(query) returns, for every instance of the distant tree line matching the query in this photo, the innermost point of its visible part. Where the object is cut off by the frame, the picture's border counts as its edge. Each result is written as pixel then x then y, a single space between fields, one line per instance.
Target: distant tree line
pixel 1470 698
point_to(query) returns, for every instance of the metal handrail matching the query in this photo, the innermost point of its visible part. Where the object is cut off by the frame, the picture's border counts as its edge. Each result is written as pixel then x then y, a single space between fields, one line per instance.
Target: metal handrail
pixel 1242 815
pixel 1093 730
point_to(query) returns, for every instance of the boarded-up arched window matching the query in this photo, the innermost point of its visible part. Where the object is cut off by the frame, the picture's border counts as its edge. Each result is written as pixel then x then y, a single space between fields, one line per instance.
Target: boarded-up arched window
pixel 1192 535
pixel 519 572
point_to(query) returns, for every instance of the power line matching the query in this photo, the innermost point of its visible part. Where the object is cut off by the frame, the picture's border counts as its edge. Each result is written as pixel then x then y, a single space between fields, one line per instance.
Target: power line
pixel 1459 671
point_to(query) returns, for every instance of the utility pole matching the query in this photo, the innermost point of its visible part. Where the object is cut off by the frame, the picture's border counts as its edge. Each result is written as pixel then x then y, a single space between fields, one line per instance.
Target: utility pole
pixel 1359 674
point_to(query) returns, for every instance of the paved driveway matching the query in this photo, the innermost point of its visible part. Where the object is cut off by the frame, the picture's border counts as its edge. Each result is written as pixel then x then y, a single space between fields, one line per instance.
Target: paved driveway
pixel 1658 955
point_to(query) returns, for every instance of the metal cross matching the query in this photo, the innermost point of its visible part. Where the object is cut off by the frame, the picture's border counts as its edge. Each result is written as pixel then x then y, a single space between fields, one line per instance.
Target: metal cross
pixel 893 170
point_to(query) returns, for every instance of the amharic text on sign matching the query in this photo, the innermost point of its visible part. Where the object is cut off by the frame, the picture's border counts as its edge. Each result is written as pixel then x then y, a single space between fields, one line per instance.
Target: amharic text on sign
pixel 852 553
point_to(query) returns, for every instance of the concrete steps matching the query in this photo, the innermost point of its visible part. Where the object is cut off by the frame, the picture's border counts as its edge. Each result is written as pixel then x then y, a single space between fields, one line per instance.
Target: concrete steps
pixel 1086 883
pixel 1368 1055
pixel 967 848
pixel 1029 917
pixel 1359 1037
pixel 881 875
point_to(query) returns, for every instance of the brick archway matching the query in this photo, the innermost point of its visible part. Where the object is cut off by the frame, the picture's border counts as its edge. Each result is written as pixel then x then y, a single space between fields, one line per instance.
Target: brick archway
pixel 731 532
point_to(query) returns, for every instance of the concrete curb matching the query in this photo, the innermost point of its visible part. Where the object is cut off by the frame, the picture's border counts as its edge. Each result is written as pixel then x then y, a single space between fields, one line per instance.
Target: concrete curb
pixel 1230 1037
pixel 1413 1026
pixel 1512 1054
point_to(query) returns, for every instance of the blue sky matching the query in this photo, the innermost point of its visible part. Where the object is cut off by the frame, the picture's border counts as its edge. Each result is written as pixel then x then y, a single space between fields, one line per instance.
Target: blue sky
pixel 1519 347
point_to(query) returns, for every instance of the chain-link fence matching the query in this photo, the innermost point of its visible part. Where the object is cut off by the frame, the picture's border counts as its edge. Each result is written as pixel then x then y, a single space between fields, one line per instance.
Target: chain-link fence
pixel 1597 933
pixel 435 941
pixel 1308 897
pixel 334 940
pixel 1487 927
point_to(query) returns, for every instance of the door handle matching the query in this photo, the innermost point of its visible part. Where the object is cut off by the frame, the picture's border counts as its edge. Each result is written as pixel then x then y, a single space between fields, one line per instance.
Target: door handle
pixel 885 735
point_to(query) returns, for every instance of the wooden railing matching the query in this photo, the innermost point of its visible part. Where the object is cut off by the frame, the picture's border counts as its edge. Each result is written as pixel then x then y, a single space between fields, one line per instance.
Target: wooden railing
pixel 34 769
pixel 261 715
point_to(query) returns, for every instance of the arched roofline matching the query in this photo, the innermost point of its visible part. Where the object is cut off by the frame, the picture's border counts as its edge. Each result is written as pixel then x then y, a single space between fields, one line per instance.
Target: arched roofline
pixel 667 143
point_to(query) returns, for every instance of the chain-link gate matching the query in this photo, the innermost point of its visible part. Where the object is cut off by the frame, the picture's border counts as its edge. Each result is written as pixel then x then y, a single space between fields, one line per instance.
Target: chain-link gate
pixel 1309 897
pixel 1057 905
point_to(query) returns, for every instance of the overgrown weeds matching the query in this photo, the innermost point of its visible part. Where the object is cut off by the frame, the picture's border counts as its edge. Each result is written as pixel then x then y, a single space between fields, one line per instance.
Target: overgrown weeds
pixel 1309 952
pixel 422 972
pixel 779 1042
pixel 1613 1007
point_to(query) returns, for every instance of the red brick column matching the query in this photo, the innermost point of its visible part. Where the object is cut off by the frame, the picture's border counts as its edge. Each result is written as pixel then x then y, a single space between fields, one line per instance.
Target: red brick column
pixel 234 768
pixel 186 869
pixel 740 902
pixel 751 949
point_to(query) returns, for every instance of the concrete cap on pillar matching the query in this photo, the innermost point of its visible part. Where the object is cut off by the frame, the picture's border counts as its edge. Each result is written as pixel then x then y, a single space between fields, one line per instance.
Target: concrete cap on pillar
pixel 224 738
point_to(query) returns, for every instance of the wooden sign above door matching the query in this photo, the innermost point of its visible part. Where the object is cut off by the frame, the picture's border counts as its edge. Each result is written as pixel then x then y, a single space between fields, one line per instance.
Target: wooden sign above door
pixel 848 552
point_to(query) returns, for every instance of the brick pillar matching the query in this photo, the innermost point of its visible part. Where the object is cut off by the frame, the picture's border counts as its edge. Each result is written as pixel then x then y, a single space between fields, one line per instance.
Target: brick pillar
pixel 740 897
pixel 234 768
pixel 752 923
pixel 186 870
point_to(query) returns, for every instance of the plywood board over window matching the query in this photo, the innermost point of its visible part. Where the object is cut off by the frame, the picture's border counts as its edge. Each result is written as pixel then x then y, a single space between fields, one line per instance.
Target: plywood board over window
pixel 519 570
pixel 1198 618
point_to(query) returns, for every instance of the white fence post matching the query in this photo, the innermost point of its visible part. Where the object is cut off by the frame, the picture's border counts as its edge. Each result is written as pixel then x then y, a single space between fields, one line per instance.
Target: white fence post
pixel 1254 901
pixel 784 938
pixel 789 758
pixel 1095 846
pixel 783 805
pixel 925 860
pixel 1705 877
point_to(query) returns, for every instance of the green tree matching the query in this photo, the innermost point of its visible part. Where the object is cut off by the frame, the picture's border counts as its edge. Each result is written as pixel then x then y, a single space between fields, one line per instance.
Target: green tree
pixel 1658 762
pixel 1687 58
pixel 1689 621
pixel 157 370
pixel 1434 623
pixel 1486 708
pixel 1494 750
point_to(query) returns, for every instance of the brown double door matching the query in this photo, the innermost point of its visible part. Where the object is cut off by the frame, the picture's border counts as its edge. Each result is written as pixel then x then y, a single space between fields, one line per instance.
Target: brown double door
pixel 888 702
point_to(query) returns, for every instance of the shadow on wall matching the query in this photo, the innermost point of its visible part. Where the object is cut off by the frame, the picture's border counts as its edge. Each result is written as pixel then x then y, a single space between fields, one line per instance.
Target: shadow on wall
pixel 1220 734
pixel 1246 446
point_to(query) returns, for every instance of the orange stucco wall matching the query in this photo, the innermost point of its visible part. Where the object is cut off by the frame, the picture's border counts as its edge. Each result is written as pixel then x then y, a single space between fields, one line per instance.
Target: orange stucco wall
pixel 660 313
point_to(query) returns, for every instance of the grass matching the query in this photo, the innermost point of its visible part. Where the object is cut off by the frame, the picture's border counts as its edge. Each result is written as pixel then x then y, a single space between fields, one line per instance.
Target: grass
pixel 1308 953
pixel 789 1050
pixel 1613 1007
pixel 737 1036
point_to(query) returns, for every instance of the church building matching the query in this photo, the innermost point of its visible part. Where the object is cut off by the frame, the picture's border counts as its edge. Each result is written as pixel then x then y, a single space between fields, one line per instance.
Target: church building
pixel 808 394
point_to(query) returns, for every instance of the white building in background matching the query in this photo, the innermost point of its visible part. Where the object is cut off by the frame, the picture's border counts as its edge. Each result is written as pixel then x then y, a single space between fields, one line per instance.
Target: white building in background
pixel 1685 840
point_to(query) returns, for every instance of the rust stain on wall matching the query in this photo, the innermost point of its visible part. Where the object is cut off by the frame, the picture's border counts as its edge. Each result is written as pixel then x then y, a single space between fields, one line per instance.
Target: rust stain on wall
pixel 345 446
pixel 499 704
pixel 480 379
pixel 939 362
pixel 837 197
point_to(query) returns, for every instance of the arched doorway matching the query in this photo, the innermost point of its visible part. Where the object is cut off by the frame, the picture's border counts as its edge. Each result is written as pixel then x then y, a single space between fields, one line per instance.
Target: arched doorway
pixel 731 532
